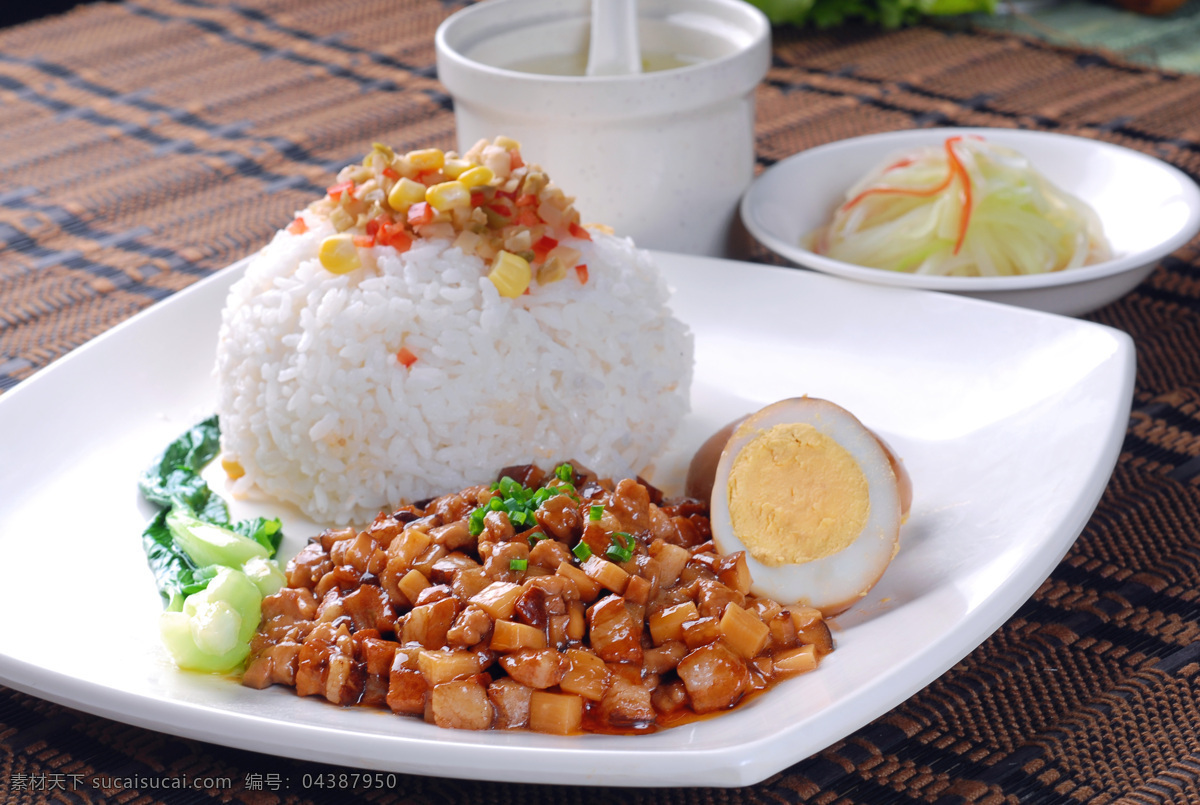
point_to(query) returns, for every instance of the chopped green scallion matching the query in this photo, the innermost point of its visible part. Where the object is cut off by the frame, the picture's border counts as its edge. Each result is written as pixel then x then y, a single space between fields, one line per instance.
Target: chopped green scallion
pixel 518 564
pixel 622 546
pixel 582 552
pixel 564 473
pixel 595 513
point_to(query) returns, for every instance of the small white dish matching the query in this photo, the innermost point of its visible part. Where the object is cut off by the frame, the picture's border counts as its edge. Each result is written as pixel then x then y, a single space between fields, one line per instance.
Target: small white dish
pixel 1147 207
pixel 1009 429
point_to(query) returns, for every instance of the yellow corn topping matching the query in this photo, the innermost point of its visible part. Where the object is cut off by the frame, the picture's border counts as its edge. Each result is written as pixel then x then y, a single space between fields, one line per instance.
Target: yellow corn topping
pixel 448 195
pixel 406 193
pixel 477 176
pixel 488 201
pixel 454 167
pixel 427 159
pixel 339 255
pixel 510 274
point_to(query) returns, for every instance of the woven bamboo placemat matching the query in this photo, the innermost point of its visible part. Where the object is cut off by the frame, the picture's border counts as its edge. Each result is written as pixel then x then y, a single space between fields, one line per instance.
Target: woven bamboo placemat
pixel 148 143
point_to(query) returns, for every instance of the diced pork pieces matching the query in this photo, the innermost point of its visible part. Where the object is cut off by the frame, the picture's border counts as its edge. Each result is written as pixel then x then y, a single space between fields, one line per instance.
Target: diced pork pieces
pixel 549 601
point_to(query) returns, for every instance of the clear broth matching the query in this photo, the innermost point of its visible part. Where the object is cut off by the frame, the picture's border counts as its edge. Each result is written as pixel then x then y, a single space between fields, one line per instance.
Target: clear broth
pixel 573 64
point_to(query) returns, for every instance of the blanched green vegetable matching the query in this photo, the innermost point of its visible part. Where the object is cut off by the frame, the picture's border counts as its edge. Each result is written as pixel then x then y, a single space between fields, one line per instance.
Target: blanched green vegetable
pixel 174 477
pixel 174 572
pixel 212 574
pixel 212 631
pixel 211 544
pixel 266 575
pixel 174 481
pixel 267 533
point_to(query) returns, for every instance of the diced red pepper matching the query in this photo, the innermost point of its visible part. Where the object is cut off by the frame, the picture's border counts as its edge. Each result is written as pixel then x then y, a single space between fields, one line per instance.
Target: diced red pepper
pixel 582 272
pixel 394 235
pixel 527 200
pixel 506 194
pixel 405 357
pixel 420 213
pixel 514 159
pixel 364 241
pixel 373 226
pixel 391 173
pixel 579 232
pixel 297 227
pixel 477 198
pixel 526 292
pixel 501 208
pixel 543 246
pixel 528 217
pixel 335 191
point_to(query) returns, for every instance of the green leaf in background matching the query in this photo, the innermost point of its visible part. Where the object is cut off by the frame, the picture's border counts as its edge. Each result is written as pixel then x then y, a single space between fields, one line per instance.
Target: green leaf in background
pixel 785 10
pixel 886 13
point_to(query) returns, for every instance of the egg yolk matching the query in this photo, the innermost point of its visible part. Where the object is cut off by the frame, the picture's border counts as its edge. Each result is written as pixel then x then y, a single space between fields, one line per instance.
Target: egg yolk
pixel 796 495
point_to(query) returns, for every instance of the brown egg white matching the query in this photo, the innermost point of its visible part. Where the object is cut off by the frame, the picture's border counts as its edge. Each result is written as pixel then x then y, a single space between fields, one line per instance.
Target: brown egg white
pixel 813 497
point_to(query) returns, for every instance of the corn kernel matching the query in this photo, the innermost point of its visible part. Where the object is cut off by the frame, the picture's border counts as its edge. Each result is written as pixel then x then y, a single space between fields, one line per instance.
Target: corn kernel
pixel 507 143
pixel 405 193
pixel 339 255
pixel 426 159
pixel 448 195
pixel 455 168
pixel 477 176
pixel 510 274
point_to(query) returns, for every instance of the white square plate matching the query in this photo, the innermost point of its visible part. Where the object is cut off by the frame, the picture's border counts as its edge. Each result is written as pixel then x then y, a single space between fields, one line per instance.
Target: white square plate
pixel 1010 422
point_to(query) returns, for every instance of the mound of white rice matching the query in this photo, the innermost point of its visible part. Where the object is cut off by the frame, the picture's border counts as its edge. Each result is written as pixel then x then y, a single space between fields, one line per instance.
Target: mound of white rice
pixel 318 410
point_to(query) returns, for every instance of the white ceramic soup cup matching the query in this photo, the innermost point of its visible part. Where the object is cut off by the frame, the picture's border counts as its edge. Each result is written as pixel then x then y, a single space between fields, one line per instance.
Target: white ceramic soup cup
pixel 662 157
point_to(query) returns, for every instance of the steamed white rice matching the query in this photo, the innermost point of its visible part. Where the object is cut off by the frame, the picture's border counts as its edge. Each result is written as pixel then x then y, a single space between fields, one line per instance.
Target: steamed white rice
pixel 317 409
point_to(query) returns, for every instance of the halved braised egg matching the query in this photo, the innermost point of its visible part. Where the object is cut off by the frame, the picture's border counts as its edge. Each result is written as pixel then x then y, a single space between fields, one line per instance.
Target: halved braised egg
pixel 813 497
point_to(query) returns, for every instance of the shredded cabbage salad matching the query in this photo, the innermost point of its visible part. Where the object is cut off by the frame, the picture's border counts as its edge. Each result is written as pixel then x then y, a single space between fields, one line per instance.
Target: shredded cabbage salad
pixel 969 209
